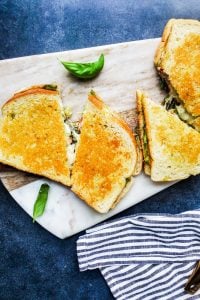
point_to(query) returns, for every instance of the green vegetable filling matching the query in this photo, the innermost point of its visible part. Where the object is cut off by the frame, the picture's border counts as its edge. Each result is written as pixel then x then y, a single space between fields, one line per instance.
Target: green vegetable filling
pixel 163 84
pixel 51 87
pixel 172 102
pixel 128 180
pixel 145 147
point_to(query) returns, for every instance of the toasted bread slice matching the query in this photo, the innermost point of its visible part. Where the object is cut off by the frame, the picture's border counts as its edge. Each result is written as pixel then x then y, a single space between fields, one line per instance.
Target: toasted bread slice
pixel 141 128
pixel 178 63
pixel 106 157
pixel 32 134
pixel 174 147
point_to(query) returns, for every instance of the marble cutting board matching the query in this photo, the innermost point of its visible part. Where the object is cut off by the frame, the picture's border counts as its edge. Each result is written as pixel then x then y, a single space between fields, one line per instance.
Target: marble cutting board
pixel 128 66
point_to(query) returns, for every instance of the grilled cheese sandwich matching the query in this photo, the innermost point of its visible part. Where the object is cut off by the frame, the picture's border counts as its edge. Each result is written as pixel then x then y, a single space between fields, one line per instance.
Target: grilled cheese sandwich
pixel 172 147
pixel 33 136
pixel 178 64
pixel 95 156
pixel 106 157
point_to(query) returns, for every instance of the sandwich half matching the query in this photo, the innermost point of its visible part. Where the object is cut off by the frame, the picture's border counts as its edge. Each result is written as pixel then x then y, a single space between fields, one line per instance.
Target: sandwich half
pixel 32 134
pixel 178 64
pixel 171 149
pixel 106 156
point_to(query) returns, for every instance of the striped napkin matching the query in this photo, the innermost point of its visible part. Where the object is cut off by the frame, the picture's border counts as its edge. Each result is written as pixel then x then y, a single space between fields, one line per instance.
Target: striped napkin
pixel 144 257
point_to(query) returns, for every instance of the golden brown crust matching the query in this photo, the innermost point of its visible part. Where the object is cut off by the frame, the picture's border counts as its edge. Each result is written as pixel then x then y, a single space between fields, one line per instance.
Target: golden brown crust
pixel 125 126
pixel 178 59
pixel 172 156
pixel 96 100
pixel 185 73
pixel 166 34
pixel 140 117
pixel 98 156
pixel 35 173
pixel 171 144
pixel 33 135
pixel 105 156
pixel 124 192
pixel 29 91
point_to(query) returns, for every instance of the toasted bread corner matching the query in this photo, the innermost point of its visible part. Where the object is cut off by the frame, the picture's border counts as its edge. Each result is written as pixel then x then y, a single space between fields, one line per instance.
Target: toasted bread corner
pixel 99 104
pixel 165 36
pixel 37 89
pixel 96 100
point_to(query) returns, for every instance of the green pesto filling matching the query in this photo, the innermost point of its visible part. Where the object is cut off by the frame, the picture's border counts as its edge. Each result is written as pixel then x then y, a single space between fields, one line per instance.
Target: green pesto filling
pixel 145 147
pixel 128 179
pixel 52 87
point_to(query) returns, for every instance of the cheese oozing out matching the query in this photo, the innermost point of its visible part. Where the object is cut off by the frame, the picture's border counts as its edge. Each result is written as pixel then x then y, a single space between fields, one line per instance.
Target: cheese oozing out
pixel 73 133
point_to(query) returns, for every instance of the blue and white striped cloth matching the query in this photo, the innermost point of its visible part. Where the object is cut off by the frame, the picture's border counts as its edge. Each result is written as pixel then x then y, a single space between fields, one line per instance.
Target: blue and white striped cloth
pixel 144 257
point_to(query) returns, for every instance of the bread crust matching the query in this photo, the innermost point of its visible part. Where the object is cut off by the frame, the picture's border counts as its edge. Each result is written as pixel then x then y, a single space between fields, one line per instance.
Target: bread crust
pixel 178 62
pixel 139 97
pixel 124 192
pixel 35 173
pixel 165 36
pixel 99 174
pixel 24 135
pixel 173 157
pixel 99 104
pixel 32 90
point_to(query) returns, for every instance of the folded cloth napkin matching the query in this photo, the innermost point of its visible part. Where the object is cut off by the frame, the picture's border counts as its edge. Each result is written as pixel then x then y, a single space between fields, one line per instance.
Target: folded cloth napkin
pixel 144 257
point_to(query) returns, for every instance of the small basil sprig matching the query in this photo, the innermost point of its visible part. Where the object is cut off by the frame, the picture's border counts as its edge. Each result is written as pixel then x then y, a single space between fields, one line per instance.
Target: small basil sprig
pixel 41 201
pixel 85 70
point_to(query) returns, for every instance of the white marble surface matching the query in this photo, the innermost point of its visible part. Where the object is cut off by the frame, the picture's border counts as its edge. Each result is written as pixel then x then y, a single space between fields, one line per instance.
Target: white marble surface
pixel 128 66
pixel 66 214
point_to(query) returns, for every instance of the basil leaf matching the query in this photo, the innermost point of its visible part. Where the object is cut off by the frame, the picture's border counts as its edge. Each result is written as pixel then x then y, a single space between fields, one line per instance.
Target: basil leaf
pixel 85 70
pixel 41 201
pixel 52 87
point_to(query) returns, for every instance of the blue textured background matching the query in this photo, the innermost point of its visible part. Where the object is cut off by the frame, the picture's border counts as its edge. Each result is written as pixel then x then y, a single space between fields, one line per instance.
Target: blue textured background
pixel 33 263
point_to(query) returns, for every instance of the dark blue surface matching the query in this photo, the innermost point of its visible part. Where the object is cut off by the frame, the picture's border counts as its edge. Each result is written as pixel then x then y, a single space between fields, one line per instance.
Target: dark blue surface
pixel 33 263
